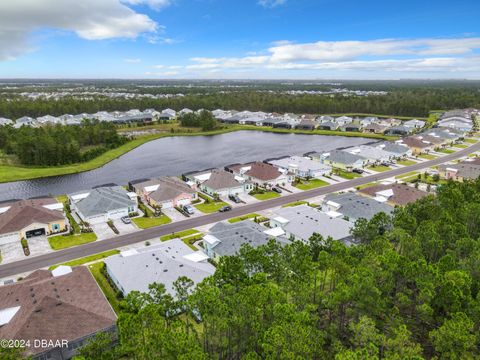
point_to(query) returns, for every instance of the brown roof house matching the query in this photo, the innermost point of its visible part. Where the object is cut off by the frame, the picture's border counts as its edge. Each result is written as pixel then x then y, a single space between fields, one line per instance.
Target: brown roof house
pixel 63 308
pixel 417 144
pixel 225 183
pixel 262 174
pixel 394 194
pixel 167 191
pixel 465 170
pixel 27 218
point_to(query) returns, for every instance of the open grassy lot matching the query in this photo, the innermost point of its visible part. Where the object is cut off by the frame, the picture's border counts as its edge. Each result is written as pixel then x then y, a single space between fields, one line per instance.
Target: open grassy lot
pixel 266 195
pixel 446 151
pixel 103 283
pixel 244 217
pixel 379 168
pixel 87 259
pixel 61 242
pixel 148 222
pixel 179 234
pixel 211 207
pixel 311 184
pixel 406 162
pixel 427 156
pixel 345 174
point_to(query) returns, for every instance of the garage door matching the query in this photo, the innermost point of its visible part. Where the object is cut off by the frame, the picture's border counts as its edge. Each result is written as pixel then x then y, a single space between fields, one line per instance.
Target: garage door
pixel 182 202
pixel 35 232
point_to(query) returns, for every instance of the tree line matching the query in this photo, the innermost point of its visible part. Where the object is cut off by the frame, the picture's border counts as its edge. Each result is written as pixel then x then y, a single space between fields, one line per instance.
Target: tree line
pixel 204 120
pixel 408 290
pixel 59 144
pixel 400 101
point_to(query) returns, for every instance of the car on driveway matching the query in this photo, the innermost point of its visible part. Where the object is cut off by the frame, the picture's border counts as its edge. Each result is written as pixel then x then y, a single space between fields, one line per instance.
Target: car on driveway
pixel 235 198
pixel 188 209
pixel 357 171
pixel 126 220
pixel 277 190
pixel 225 208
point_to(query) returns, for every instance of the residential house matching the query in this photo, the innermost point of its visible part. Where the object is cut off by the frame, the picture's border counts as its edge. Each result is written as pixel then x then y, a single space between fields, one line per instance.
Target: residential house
pixel 375 128
pixel 24 121
pixel 368 121
pixel 306 124
pixel 272 121
pixel 466 170
pixel 399 130
pixel 341 159
pixel 414 123
pixel 5 121
pixel 300 222
pixel 136 269
pixel 389 122
pixel 328 125
pixel 352 127
pixel 343 120
pixel 352 206
pixel 224 183
pixel 61 305
pixel 262 174
pixel 374 155
pixel 48 119
pixel 397 149
pixel 302 167
pixel 28 218
pixel 393 194
pixel 167 192
pixel 417 144
pixel 226 239
pixel 103 203
pixel 185 111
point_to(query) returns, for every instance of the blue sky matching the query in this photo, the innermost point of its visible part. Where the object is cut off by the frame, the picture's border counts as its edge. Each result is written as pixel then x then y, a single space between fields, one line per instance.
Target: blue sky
pixel 322 39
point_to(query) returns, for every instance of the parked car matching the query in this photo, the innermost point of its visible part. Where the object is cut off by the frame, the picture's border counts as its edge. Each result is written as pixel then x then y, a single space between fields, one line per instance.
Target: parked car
pixel 126 220
pixel 357 171
pixel 188 209
pixel 225 208
pixel 277 190
pixel 234 198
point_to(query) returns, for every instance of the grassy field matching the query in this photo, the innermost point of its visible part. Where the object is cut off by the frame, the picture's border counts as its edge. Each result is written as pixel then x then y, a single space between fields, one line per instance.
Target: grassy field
pixel 427 156
pixel 311 184
pixel 446 151
pixel 87 259
pixel 179 234
pixel 461 146
pixel 406 175
pixel 346 175
pixel 211 207
pixel 266 195
pixel 102 281
pixel 61 242
pixel 406 162
pixel 148 222
pixel 244 217
pixel 14 172
pixel 379 168
pixel 296 203
pixel 471 141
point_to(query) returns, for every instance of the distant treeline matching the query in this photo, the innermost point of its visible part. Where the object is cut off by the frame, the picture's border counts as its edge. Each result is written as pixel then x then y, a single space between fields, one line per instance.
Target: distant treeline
pixel 59 145
pixel 402 102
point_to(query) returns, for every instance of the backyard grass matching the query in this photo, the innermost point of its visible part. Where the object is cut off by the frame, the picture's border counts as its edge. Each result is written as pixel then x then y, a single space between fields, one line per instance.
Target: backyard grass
pixel 446 151
pixel 211 207
pixel 243 217
pixel 103 283
pixel 61 198
pixel 266 195
pixel 87 259
pixel 61 241
pixel 310 184
pixel 346 175
pixel 148 222
pixel 179 234
pixel 406 162
pixel 379 168
pixel 427 156
pixel 296 203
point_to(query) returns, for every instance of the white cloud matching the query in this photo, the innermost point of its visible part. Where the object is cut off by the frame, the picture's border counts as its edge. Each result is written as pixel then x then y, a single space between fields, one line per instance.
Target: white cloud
pixel 89 19
pixel 271 3
pixel 133 61
pixel 154 4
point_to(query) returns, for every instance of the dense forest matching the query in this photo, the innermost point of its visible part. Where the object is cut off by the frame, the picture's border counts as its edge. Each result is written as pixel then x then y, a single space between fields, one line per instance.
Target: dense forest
pixel 408 290
pixel 416 101
pixel 58 145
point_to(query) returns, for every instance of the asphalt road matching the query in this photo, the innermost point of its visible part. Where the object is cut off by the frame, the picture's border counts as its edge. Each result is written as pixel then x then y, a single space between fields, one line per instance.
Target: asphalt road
pixel 76 252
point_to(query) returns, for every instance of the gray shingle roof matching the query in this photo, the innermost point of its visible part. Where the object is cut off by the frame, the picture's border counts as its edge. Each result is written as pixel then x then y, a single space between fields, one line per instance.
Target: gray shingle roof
pixel 355 206
pixel 344 157
pixel 104 199
pixel 221 179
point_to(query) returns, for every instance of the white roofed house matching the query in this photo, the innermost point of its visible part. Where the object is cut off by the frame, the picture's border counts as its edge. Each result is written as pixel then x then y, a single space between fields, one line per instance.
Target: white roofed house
pixel 170 112
pixel 397 150
pixel 185 111
pixel 24 121
pixel 343 120
pixel 5 121
pixel 152 112
pixel 48 119
pixel 374 155
pixel 416 124
pixel 302 167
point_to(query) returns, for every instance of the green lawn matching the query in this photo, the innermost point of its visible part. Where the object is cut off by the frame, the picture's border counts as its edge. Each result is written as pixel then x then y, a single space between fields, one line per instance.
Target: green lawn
pixel 311 184
pixel 87 259
pixel 406 174
pixel 470 140
pixel 461 146
pixel 61 242
pixel 102 281
pixel 446 151
pixel 427 156
pixel 179 234
pixel 266 195
pixel 148 222
pixel 296 203
pixel 61 198
pixel 244 217
pixel 346 175
pixel 211 207
pixel 379 168
pixel 406 162
pixel 365 185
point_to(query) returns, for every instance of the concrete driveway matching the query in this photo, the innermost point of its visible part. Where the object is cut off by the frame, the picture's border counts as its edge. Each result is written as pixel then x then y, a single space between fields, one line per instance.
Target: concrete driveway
pixel 12 252
pixel 39 245
pixel 102 230
pixel 124 228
